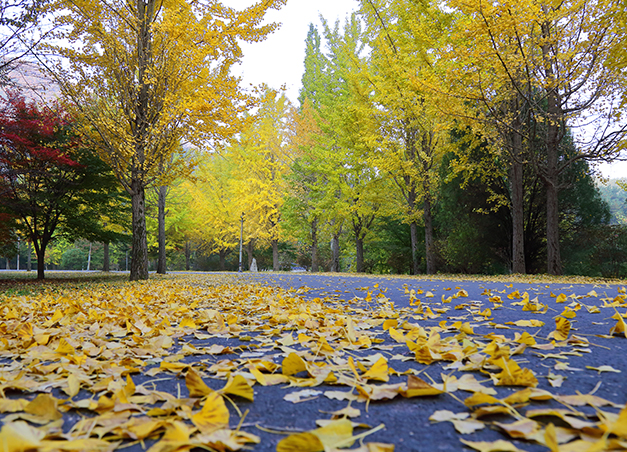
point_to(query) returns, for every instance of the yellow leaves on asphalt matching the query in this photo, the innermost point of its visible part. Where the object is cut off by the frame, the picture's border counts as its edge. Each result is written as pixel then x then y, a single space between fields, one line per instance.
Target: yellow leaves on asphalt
pixel 217 341
pixel 213 415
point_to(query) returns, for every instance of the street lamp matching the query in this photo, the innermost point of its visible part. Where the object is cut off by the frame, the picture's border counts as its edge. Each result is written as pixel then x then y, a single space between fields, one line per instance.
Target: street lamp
pixel 241 241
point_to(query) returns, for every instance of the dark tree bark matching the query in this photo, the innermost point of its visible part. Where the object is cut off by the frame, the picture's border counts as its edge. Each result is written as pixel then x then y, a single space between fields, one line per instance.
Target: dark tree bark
pixel 275 255
pixel 29 264
pixel 314 245
pixel 188 253
pixel 250 246
pixel 413 234
pixel 335 249
pixel 223 253
pixel 554 135
pixel 518 218
pixel 139 250
pixel 359 255
pixel 106 267
pixel 161 261
pixel 40 251
pixel 429 241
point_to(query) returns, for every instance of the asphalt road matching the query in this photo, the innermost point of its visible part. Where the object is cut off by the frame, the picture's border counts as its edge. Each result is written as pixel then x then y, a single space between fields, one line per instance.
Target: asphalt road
pixel 407 423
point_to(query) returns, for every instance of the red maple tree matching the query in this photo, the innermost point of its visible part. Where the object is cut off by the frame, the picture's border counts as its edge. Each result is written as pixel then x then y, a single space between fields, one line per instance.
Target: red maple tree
pixel 38 174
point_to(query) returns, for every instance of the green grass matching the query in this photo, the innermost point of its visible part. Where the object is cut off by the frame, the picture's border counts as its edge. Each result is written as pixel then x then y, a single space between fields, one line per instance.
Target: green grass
pixel 26 283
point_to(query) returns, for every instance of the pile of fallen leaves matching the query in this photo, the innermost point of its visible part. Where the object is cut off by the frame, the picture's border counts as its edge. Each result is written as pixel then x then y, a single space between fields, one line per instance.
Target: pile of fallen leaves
pixel 86 370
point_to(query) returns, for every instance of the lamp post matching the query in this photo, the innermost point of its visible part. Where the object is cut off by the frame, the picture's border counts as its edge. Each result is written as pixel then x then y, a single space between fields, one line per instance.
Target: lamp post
pixel 241 241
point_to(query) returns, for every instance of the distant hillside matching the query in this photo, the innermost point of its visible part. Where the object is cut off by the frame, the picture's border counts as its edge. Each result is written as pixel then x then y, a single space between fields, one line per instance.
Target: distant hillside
pixel 33 83
pixel 616 197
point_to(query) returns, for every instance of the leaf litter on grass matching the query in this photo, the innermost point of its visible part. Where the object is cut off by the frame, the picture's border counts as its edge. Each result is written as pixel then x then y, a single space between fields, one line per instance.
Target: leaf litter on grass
pixel 71 363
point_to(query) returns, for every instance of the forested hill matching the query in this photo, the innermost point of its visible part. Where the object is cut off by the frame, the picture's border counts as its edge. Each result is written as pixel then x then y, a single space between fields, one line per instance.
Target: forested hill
pixel 616 197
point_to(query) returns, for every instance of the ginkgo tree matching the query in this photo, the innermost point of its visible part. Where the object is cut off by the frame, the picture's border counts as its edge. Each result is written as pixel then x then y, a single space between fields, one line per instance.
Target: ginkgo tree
pixel 147 75
pixel 531 72
pixel 262 156
pixel 215 225
pixel 412 130
pixel 354 188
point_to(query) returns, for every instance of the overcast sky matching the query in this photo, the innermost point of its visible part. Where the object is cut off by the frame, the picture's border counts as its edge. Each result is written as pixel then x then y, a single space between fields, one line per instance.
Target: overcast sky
pixel 279 60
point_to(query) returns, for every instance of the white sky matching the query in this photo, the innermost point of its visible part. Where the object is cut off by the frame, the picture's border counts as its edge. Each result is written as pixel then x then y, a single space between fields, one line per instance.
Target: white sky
pixel 279 60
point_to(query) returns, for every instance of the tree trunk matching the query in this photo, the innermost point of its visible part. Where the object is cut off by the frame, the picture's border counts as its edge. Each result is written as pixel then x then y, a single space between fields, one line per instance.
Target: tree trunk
pixel 554 261
pixel 359 254
pixel 555 130
pixel 106 267
pixel 8 263
pixel 518 218
pixel 335 249
pixel 223 254
pixel 314 245
pixel 250 246
pixel 89 258
pixel 275 255
pixel 40 251
pixel 29 263
pixel 139 250
pixel 161 262
pixel 429 242
pixel 413 234
pixel 188 253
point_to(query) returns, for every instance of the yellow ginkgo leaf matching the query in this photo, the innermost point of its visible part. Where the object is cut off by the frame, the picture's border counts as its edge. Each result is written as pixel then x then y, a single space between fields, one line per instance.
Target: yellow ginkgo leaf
pixel 390 323
pixel 188 323
pixel 19 436
pixel 619 428
pixel 293 364
pixel 174 367
pixel 605 368
pixel 479 398
pixel 494 446
pixel 379 371
pixel 336 434
pixel 532 322
pixel 141 428
pixel 550 438
pixel 523 428
pixel 562 329
pixel 300 442
pixel 44 406
pixel 214 414
pixel 73 385
pixel 524 338
pixel 514 295
pixel 64 347
pixel 417 387
pixel 195 385
pixel 561 298
pixel 568 313
pixel 620 326
pixel 238 386
pixel 466 427
pixel 513 374
pixel 178 432
pixel 397 335
pixel 468 382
